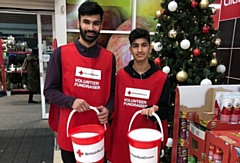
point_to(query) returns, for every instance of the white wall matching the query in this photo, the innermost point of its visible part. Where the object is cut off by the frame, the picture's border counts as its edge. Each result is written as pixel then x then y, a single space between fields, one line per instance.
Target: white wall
pixel 60 22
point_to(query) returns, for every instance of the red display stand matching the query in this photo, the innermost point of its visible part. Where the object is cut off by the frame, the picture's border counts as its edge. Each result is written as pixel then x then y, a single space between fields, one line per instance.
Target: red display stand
pixel 195 104
pixel 2 68
pixel 235 155
pixel 227 140
pixel 3 72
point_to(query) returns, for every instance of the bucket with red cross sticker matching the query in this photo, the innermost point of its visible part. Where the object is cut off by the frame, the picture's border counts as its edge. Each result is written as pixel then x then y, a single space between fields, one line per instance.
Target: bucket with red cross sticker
pixel 145 143
pixel 87 141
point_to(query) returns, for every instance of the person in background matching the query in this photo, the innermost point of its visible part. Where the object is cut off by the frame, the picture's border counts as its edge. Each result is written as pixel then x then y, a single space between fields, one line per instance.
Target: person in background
pixel 152 86
pixel 79 75
pixel 33 75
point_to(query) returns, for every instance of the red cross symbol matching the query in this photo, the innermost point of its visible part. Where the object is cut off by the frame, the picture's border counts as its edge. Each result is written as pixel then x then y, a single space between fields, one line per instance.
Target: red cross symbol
pixel 79 153
pixel 129 92
pixel 81 72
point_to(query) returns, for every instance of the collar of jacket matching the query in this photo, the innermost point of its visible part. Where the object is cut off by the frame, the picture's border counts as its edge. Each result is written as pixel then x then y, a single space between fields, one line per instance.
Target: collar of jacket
pixel 129 69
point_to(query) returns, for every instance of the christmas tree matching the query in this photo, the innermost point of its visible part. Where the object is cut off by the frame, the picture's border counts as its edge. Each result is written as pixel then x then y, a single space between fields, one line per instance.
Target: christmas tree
pixel 185 47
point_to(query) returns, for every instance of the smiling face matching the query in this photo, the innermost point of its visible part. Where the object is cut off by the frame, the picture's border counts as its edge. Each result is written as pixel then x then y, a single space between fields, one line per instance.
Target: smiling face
pixel 89 26
pixel 140 49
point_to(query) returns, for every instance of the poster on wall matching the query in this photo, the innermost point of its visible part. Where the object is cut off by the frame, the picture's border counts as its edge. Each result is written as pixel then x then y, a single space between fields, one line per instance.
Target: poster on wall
pixel 117 18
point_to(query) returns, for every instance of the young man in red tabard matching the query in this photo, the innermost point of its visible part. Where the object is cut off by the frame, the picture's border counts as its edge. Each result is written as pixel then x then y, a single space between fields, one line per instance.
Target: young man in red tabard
pixel 139 86
pixel 79 75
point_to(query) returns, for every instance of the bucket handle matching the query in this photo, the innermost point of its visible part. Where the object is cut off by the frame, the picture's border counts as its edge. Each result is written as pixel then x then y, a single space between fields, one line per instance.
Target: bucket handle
pixel 73 111
pixel 154 114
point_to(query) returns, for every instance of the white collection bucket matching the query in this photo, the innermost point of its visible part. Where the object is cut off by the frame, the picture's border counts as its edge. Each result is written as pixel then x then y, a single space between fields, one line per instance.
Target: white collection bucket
pixel 87 141
pixel 145 143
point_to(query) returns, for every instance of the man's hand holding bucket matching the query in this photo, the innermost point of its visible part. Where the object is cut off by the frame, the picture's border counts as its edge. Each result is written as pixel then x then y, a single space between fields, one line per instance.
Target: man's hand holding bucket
pixel 80 105
pixel 148 111
pixel 103 115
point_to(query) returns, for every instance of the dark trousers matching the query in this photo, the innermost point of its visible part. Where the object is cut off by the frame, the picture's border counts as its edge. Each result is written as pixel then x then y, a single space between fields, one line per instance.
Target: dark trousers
pixel 67 157
pixel 30 97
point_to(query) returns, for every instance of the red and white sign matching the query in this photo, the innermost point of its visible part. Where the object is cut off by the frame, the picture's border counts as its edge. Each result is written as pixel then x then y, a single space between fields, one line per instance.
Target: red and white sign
pixel 230 9
pixel 90 152
pixel 138 93
pixel 88 73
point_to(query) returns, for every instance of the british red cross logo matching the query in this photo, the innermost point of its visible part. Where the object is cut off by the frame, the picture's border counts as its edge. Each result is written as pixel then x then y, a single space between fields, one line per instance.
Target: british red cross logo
pixel 79 153
pixel 81 72
pixel 129 92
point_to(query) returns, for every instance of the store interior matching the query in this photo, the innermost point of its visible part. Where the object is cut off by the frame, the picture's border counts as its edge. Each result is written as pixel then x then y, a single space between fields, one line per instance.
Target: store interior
pixel 21 31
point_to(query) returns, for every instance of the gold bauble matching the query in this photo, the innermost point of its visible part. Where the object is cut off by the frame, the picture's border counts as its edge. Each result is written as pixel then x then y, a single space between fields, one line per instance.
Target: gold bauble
pixel 218 41
pixel 172 33
pixel 152 44
pixel 158 13
pixel 181 76
pixel 204 4
pixel 214 11
pixel 213 62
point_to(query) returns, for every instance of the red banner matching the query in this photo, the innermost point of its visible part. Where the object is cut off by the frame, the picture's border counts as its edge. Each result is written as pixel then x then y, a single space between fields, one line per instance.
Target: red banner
pixel 230 9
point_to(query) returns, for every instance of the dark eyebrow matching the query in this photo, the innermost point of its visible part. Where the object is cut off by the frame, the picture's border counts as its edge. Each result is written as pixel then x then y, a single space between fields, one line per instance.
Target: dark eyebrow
pixel 144 43
pixel 135 44
pixel 97 21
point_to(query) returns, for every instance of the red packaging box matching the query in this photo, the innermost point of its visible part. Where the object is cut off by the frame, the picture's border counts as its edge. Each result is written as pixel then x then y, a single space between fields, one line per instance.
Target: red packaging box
pixel 228 141
pixel 197 104
pixel 235 155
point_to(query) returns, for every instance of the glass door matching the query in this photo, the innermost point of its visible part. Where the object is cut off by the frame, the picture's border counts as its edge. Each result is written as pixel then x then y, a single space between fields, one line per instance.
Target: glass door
pixel 46 33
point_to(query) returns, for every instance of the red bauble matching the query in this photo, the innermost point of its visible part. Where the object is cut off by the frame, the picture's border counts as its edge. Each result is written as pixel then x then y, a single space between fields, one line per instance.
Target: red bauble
pixel 206 29
pixel 194 3
pixel 157 61
pixel 196 52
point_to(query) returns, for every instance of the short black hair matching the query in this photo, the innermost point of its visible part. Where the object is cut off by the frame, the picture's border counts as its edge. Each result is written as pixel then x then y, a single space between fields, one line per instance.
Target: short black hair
pixel 90 8
pixel 139 33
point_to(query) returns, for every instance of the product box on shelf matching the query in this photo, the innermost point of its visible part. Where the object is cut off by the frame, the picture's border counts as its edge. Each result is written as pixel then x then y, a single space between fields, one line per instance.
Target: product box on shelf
pixel 204 112
pixel 235 154
pixel 196 141
pixel 223 146
pixel 197 105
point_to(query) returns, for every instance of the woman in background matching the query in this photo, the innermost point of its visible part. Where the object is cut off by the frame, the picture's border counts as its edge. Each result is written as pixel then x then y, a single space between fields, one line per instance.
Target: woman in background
pixel 33 75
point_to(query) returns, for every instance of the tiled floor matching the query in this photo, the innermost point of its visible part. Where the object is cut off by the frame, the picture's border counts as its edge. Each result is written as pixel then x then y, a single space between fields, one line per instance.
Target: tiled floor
pixel 26 145
pixel 17 113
